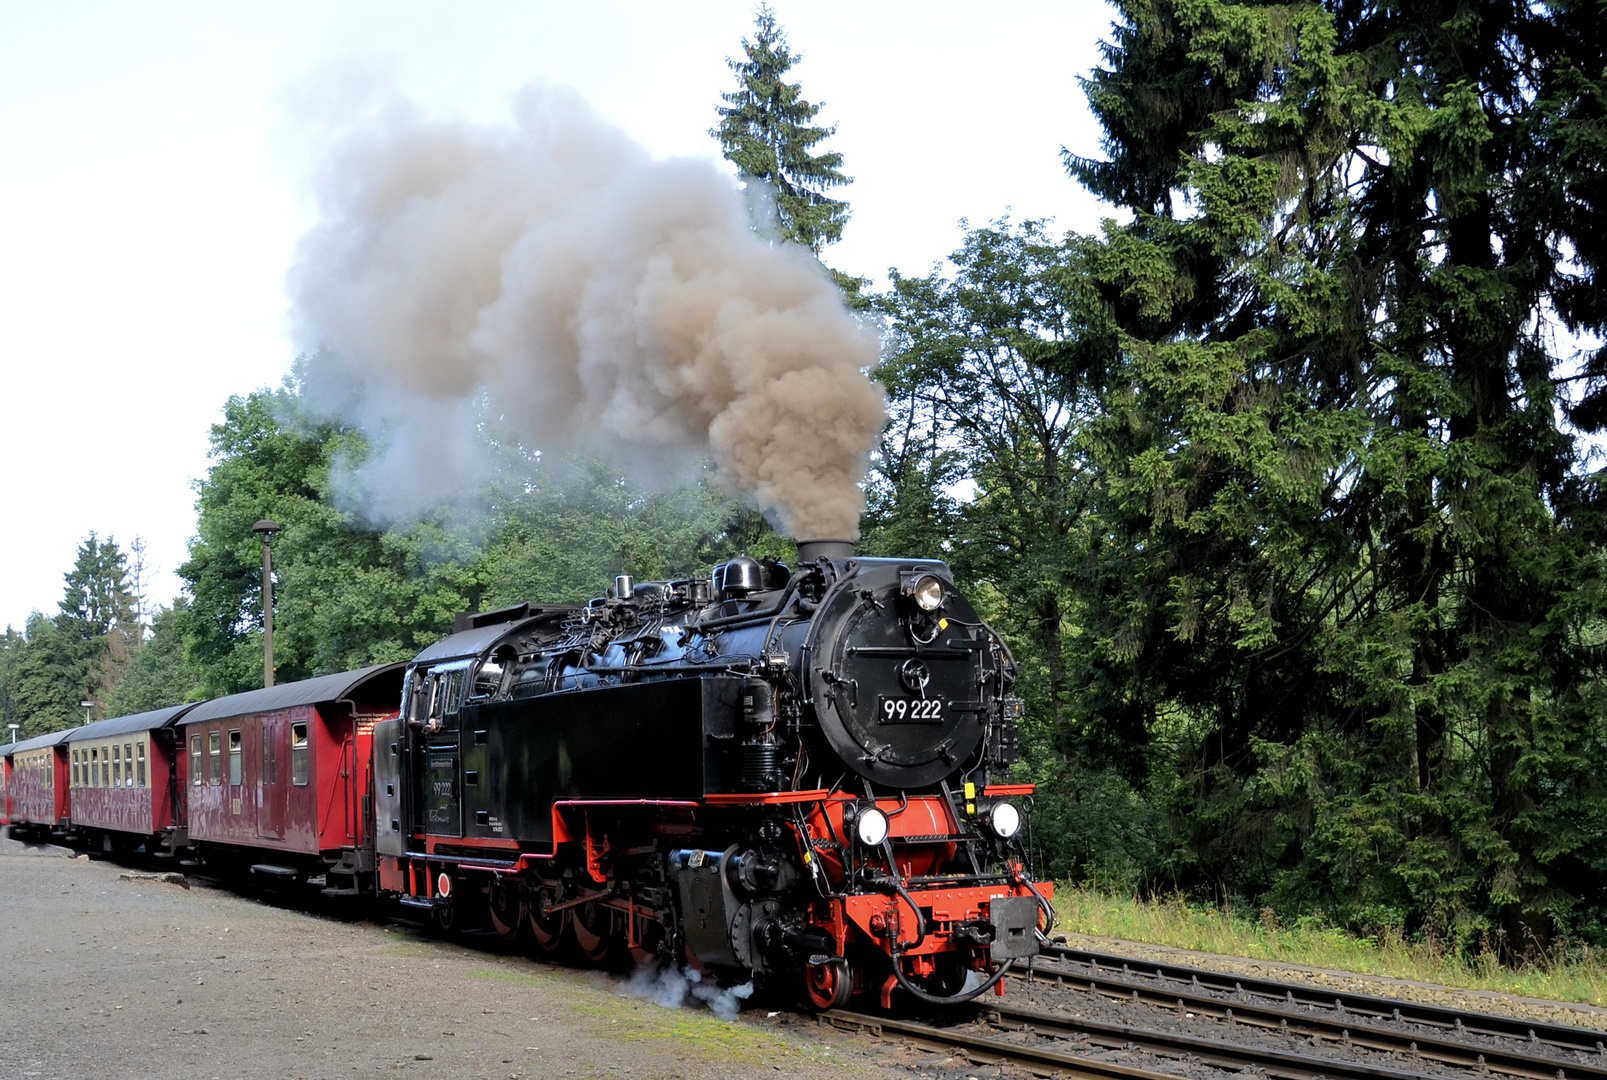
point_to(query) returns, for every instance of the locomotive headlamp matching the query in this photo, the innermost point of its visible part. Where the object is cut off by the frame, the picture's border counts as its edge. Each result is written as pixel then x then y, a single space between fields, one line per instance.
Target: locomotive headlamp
pixel 1004 819
pixel 871 826
pixel 925 590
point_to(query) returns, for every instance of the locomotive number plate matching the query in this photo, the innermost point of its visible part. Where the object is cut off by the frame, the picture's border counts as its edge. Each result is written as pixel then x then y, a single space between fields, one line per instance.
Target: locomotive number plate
pixel 904 710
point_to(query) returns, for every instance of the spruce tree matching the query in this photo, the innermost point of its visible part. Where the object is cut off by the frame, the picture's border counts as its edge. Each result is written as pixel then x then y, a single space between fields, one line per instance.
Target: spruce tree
pixel 766 129
pixel 1350 559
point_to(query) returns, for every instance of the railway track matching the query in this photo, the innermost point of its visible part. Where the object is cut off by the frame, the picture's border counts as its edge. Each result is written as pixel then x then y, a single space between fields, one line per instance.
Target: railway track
pixel 1324 1013
pixel 1289 1032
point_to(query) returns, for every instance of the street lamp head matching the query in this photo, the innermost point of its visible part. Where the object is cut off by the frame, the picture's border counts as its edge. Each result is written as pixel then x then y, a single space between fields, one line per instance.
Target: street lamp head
pixel 86 704
pixel 265 529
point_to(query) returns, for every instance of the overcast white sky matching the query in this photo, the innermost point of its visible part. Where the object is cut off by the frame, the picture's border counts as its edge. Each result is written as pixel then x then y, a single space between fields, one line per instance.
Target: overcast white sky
pixel 151 192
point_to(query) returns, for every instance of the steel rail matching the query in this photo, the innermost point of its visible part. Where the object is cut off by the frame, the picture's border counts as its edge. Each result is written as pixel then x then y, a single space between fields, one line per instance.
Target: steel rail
pixel 989 1050
pixel 1335 1028
pixel 1045 1029
pixel 1459 1021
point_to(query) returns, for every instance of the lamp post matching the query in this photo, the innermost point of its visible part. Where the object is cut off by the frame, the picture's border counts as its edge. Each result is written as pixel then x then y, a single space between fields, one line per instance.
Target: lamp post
pixel 266 530
pixel 86 706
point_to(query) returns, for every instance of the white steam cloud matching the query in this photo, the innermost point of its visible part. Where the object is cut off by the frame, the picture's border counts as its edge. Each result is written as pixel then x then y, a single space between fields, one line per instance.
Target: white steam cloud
pixel 550 273
pixel 670 987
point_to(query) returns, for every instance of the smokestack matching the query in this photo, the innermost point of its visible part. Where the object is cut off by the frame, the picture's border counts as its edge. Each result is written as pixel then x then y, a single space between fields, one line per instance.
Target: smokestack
pixel 810 550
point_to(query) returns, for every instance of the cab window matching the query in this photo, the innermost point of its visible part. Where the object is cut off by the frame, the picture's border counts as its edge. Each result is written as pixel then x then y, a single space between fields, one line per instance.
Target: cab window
pixel 446 701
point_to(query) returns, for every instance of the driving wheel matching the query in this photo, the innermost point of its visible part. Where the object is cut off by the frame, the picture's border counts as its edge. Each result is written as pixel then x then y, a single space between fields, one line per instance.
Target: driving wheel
pixel 829 985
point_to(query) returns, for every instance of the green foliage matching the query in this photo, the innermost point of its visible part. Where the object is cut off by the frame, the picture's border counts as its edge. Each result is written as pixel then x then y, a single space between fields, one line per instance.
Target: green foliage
pixel 11 645
pixel 59 662
pixel 1343 536
pixel 766 130
pixel 160 672
pixel 42 693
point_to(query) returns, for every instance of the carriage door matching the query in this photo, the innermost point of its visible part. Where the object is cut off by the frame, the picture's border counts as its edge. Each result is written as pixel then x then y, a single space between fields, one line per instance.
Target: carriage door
pixel 272 782
pixel 443 794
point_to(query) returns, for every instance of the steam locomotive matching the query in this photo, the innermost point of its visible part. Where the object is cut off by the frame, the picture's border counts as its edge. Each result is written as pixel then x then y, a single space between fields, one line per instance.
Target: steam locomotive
pixel 769 775
pixel 791 778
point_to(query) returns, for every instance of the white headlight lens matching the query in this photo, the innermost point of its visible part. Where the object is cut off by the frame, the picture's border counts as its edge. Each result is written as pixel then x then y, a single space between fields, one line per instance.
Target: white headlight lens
pixel 871 826
pixel 928 594
pixel 1005 820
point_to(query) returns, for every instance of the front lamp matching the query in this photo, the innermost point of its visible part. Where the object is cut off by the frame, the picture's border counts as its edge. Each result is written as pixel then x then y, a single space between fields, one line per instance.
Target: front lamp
pixel 871 826
pixel 927 592
pixel 1004 820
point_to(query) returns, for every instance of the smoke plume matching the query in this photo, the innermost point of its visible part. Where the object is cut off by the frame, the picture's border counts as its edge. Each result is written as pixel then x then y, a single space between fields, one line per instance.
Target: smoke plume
pixel 550 274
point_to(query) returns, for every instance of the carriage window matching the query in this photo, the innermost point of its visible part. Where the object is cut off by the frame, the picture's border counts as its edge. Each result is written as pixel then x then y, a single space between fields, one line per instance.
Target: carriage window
pixel 298 754
pixel 195 760
pixel 106 766
pixel 94 766
pixel 76 781
pixel 139 764
pixel 214 753
pixel 234 757
pixel 117 766
pixel 128 764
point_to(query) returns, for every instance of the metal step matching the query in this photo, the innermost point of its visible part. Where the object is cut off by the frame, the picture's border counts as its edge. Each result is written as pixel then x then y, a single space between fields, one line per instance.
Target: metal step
pixel 271 870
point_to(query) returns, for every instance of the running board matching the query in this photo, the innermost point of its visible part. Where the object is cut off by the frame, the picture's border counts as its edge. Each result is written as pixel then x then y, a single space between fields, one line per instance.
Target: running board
pixel 271 870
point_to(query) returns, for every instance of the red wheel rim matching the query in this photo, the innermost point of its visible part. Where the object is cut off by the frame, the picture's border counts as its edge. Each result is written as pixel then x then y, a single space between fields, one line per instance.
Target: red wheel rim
pixel 593 929
pixel 829 985
pixel 547 931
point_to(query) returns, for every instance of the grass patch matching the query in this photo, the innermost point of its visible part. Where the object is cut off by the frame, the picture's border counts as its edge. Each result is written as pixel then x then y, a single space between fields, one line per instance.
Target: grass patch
pixel 1573 973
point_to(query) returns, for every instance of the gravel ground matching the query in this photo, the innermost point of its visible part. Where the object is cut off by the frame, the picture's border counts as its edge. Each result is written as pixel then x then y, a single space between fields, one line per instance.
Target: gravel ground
pixel 108 977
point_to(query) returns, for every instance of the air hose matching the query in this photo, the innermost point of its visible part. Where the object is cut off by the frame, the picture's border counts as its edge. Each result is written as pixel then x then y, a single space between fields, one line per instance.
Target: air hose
pixel 897 951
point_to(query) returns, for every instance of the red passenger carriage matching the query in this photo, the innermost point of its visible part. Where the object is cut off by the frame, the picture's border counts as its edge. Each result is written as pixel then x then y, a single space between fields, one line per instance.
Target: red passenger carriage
pixel 122 779
pixel 37 787
pixel 275 779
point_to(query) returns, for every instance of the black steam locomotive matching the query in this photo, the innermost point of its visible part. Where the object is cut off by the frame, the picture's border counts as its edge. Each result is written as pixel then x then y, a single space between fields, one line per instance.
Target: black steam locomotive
pixel 768 775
